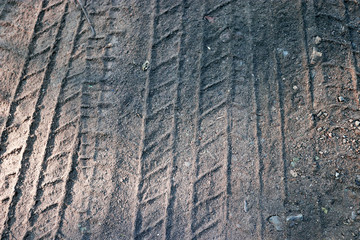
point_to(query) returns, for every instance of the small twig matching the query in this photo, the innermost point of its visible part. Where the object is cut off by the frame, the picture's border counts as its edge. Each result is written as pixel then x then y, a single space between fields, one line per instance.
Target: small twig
pixel 87 18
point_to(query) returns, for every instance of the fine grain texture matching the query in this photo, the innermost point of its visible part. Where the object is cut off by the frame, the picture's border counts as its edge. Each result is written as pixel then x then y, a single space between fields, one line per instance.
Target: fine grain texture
pixel 157 119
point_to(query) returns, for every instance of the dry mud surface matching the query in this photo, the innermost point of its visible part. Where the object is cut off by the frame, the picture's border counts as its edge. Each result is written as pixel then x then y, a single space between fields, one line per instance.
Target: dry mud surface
pixel 244 124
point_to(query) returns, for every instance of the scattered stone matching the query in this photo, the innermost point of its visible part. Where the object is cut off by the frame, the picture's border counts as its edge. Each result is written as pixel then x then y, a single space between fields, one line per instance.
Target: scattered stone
pixel 341 99
pixel 276 221
pixel 246 207
pixel 292 220
pixel 225 36
pixel 317 40
pixel 357 123
pixel 145 66
pixel 293 173
pixel 295 87
pixel 315 56
pixel 319 114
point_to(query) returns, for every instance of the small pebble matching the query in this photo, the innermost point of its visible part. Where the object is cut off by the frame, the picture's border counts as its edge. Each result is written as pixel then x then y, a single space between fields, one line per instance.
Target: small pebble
pixel 145 66
pixel 225 36
pixel 276 221
pixel 187 164
pixel 315 56
pixel 246 207
pixel 357 123
pixel 317 40
pixel 295 218
pixel 341 99
pixel 295 87
pixel 293 173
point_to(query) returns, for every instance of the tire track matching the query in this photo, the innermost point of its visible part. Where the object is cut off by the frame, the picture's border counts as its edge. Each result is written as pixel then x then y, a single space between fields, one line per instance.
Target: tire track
pixel 14 103
pixel 51 178
pixel 26 185
pixel 182 173
pixel 169 221
pixel 270 120
pixel 210 186
pixel 269 200
pixel 218 148
pixel 97 146
pixel 308 155
pixel 244 214
pixel 155 186
pixel 71 210
pixel 129 96
pixel 351 32
pixel 138 218
pixel 44 186
pixel 35 120
pixel 13 58
pixel 87 197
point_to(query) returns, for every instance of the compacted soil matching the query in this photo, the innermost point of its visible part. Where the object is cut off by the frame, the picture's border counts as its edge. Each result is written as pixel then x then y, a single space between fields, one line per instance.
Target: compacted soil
pixel 179 119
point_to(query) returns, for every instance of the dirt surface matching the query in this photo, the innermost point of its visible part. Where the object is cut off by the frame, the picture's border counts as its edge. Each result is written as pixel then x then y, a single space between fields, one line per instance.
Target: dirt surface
pixel 180 119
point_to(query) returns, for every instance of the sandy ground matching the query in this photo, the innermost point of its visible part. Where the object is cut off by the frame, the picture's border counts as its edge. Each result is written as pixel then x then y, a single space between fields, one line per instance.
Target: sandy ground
pixel 179 119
